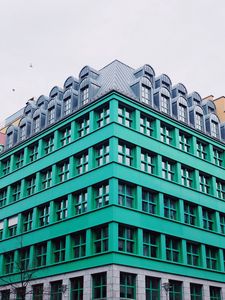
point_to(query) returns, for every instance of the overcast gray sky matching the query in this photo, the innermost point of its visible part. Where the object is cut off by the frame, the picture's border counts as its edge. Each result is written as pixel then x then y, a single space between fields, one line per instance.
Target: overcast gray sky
pixel 183 38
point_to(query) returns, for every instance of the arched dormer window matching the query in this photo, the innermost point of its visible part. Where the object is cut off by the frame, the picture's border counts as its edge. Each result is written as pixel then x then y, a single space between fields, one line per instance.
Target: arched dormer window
pixel 88 72
pixel 42 102
pixel 54 111
pixel 212 125
pixel 162 100
pixel 163 81
pixel 179 90
pixel 38 122
pixel 142 88
pixel 70 101
pixel 56 92
pixel 11 136
pixel 24 128
pixel 71 82
pixel 30 108
pixel 196 117
pixel 179 108
pixel 194 99
pixel 88 89
pixel 208 107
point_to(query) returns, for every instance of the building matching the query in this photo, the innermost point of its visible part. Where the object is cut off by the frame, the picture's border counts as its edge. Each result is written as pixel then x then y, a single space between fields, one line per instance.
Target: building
pixel 113 188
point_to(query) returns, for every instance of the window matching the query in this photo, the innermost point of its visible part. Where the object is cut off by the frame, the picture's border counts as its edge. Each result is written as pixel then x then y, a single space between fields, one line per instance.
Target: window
pixel 168 170
pixel 31 185
pixel 82 163
pixel 1 229
pixel 100 239
pixel 166 134
pixel 84 95
pixel 81 202
pixel 49 144
pixel 20 293
pixel 182 113
pixel 214 129
pixel 9 262
pixel 148 201
pixel 5 167
pixel 170 208
pixel 211 257
pixel 147 162
pixel 41 254
pixel 19 160
pixel 199 121
pixel 172 249
pixel 220 188
pixel 186 176
pixel 65 136
pixel 36 124
pixel 77 288
pixel 215 293
pixel 189 213
pixel 16 191
pixel 46 179
pixel 184 142
pixel 59 250
pixel 126 195
pixel 217 157
pixel 33 152
pixel 103 116
pixel 83 126
pixel 175 291
pixel 193 254
pixel 9 140
pixel 150 244
pixel 222 223
pixel 145 94
pixel 56 290
pixel 63 171
pixel 127 237
pixel 201 150
pixel 12 227
pixel 196 291
pixel 44 215
pixel 37 292
pixel 102 154
pixel 204 183
pixel 127 286
pixel 27 221
pixel 3 197
pixel 208 219
pixel 67 106
pixel 51 115
pixel 125 116
pixel 24 259
pixel 101 195
pixel 79 244
pixel 146 125
pixel 61 209
pixel 99 285
pixel 152 288
pixel 165 104
pixel 125 155
pixel 5 295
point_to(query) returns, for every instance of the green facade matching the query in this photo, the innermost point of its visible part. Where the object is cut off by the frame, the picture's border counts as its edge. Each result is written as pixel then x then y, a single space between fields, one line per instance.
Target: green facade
pixel 114 183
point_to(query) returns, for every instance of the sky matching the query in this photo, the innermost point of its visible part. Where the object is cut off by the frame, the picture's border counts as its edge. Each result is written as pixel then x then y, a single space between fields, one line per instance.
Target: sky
pixel 184 39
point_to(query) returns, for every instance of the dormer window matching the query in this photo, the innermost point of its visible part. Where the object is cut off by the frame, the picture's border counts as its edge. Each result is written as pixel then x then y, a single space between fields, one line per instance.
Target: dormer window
pixel 199 121
pixel 182 113
pixel 10 140
pixel 67 106
pixel 36 124
pixel 145 94
pixel 84 95
pixel 165 104
pixel 214 129
pixel 23 132
pixel 51 115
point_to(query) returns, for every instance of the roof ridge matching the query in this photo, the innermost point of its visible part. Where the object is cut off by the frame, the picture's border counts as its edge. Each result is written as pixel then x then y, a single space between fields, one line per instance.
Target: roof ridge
pixel 116 60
